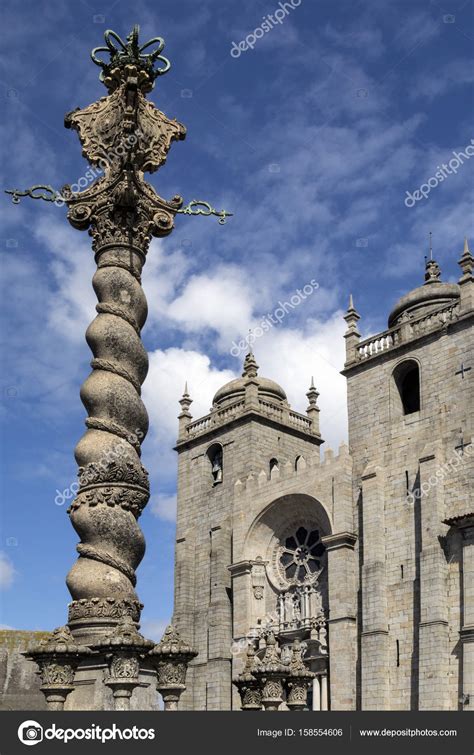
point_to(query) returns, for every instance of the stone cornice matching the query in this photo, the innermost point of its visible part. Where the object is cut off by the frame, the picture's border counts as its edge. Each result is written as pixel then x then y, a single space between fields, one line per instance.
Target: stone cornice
pixel 339 540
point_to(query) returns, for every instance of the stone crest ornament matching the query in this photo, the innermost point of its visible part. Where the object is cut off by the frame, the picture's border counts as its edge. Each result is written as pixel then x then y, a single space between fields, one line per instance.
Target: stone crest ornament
pixel 126 136
pixel 258 578
pixel 170 658
pixel 57 658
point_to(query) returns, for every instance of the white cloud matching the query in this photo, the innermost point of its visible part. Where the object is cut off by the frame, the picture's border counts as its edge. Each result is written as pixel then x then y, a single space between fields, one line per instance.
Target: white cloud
pixel 418 28
pixel 164 507
pixel 222 302
pixel 362 37
pixel 71 262
pixel 455 74
pixel 7 572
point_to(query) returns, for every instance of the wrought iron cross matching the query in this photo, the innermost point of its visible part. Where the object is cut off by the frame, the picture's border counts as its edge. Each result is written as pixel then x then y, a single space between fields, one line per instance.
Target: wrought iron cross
pixel 463 370
pixel 462 446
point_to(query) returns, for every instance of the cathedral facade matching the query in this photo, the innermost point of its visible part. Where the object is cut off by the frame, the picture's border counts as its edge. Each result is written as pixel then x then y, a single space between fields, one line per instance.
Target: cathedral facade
pixel 365 555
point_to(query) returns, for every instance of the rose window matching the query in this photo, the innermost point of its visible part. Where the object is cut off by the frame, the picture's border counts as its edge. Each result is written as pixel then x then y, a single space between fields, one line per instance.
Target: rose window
pixel 300 556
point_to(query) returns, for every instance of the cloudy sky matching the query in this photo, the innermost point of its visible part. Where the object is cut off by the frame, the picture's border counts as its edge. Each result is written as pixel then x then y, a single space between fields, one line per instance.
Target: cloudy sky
pixel 312 139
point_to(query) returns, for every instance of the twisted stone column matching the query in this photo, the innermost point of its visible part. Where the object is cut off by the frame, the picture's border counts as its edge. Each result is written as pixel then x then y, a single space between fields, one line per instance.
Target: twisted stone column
pixel 113 483
pixel 126 135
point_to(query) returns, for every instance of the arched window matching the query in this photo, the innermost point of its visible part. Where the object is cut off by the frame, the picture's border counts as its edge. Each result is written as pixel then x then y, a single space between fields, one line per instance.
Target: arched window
pixel 274 465
pixel 407 380
pixel 216 459
pixel 300 463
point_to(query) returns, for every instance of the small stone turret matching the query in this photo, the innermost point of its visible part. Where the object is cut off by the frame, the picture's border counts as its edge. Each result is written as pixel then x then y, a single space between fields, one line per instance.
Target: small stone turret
pixel 466 281
pixel 313 409
pixel 185 415
pixel 352 334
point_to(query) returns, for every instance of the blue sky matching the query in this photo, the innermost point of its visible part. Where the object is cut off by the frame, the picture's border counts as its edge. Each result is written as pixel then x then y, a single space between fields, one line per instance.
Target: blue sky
pixel 312 138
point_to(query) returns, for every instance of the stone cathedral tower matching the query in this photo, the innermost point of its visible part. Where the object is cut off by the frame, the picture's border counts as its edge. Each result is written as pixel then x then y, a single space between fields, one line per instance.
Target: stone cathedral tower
pixel 366 556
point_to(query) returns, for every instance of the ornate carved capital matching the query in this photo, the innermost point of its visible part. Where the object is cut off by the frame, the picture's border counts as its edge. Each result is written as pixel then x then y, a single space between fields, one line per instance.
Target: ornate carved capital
pixel 171 657
pixel 247 684
pixel 57 658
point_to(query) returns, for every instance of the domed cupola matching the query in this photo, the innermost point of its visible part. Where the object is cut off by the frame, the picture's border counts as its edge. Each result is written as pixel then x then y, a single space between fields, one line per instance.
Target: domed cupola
pixel 235 389
pixel 422 300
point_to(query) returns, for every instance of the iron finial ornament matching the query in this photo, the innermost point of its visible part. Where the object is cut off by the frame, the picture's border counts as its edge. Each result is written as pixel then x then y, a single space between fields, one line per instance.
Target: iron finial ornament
pixel 125 136
pixel 130 53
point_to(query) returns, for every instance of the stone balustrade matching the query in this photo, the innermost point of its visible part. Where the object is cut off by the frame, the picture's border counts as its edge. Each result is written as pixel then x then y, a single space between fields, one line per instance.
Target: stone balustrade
pixel 218 417
pixel 405 331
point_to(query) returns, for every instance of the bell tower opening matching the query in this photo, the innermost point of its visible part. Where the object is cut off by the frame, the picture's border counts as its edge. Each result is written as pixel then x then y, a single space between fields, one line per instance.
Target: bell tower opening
pixel 407 380
pixel 216 458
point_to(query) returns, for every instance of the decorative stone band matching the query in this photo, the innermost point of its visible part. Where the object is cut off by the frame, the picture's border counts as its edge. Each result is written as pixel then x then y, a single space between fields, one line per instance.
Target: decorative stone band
pixel 129 497
pixel 117 369
pixel 104 608
pixel 101 263
pixel 108 308
pixel 109 426
pixel 112 255
pixel 117 471
pixel 96 554
pixel 113 483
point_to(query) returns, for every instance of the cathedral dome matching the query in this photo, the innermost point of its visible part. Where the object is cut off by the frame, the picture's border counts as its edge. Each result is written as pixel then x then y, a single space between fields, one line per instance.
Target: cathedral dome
pixel 235 389
pixel 431 295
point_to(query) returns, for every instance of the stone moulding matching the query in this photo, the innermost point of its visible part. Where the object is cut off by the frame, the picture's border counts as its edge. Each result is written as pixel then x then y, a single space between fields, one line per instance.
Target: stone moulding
pixel 103 608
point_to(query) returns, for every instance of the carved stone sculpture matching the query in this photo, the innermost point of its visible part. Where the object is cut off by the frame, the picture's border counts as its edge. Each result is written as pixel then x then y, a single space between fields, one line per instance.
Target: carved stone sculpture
pixel 171 657
pixel 247 684
pixel 124 651
pixel 58 657
pixel 298 680
pixel 125 135
pixel 271 674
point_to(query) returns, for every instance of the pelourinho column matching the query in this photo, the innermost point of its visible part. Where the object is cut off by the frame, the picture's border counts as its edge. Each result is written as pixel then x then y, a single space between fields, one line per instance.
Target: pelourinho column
pixel 125 135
